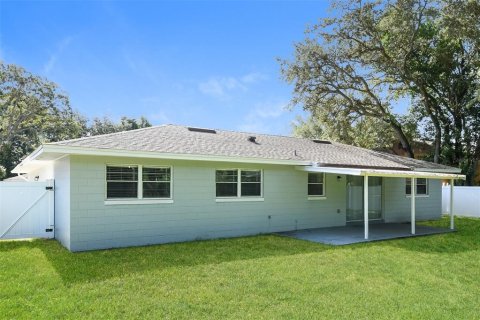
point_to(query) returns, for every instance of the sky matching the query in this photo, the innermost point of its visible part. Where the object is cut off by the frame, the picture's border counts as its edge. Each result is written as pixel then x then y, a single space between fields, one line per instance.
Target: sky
pixel 199 63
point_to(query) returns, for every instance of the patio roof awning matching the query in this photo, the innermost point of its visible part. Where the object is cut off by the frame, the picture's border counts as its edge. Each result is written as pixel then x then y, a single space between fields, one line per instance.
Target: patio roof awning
pixel 399 173
pixel 383 172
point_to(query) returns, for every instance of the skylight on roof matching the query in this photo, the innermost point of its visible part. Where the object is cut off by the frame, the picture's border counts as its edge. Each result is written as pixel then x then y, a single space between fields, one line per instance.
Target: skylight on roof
pixel 203 130
pixel 321 141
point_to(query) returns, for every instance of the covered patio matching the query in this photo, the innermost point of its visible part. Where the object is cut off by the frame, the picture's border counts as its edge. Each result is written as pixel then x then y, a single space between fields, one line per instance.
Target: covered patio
pixel 351 234
pixel 382 231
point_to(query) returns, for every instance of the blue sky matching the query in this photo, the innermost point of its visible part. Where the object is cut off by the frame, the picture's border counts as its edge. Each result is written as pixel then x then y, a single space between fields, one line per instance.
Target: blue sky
pixel 208 64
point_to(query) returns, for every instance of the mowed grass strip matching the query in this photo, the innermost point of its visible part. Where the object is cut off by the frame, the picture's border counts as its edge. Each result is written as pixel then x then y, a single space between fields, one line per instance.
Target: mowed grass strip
pixel 269 277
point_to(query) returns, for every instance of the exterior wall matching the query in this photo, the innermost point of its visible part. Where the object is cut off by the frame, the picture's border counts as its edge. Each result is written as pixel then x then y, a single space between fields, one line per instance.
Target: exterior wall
pixel 397 204
pixel 195 214
pixel 62 201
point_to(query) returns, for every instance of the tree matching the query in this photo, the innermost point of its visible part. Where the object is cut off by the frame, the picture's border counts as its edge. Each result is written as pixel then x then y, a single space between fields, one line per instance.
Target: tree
pixel 332 74
pixel 32 110
pixel 376 52
pixel 3 173
pixel 364 132
pixel 105 125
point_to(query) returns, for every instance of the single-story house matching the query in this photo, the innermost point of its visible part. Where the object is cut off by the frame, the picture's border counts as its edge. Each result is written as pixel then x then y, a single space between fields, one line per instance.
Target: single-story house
pixel 174 183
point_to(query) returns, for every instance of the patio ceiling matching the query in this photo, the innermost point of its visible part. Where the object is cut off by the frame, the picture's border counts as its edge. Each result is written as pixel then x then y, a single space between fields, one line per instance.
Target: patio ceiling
pixel 383 172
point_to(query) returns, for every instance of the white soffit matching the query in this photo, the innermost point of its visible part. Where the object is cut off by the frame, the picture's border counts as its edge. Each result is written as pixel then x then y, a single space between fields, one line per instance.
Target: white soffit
pixel 382 173
pixel 26 167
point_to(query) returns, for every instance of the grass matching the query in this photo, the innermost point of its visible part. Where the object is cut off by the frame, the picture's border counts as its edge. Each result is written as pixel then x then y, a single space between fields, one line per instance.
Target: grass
pixel 272 277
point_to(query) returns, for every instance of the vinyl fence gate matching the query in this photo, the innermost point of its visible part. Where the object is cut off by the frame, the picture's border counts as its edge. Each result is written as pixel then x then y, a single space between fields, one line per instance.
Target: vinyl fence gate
pixel 27 209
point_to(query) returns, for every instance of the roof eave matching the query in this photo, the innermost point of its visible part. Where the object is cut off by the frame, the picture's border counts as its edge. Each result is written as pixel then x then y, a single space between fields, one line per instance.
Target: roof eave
pixel 19 168
pixel 69 150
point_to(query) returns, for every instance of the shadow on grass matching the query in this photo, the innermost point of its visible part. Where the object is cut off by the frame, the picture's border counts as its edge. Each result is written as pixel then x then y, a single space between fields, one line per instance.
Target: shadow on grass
pixel 104 264
pixel 466 238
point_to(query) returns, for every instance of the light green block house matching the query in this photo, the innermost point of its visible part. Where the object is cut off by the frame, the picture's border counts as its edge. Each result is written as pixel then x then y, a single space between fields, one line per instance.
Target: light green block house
pixel 174 183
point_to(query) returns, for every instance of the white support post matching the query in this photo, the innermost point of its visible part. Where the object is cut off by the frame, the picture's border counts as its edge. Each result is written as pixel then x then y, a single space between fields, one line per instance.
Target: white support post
pixel 140 182
pixel 413 193
pixel 452 225
pixel 365 204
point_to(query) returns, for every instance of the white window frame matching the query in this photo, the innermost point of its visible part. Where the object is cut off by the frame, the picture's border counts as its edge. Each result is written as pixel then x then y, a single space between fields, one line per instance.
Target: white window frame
pixel 139 199
pixel 423 195
pixel 324 189
pixel 239 197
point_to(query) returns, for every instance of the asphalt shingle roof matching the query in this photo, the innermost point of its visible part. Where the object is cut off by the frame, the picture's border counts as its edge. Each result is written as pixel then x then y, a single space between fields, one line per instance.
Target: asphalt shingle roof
pixel 180 140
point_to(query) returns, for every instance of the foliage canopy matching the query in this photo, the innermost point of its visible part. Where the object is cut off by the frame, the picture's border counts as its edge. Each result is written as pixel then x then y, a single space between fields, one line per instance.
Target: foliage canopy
pixel 353 69
pixel 33 110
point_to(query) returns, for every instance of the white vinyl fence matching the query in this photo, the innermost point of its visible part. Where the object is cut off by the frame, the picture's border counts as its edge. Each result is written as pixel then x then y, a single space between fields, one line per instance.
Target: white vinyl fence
pixel 466 201
pixel 26 210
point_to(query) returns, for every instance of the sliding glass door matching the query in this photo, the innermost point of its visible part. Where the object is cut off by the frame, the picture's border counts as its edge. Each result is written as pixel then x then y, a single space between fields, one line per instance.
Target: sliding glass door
pixel 355 198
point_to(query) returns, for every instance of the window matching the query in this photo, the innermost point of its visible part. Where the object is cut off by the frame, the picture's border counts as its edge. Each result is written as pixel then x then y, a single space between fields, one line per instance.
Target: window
pixel 422 186
pixel 251 185
pixel 138 182
pixel 316 184
pixel 238 183
pixel 227 183
pixel 156 182
pixel 122 182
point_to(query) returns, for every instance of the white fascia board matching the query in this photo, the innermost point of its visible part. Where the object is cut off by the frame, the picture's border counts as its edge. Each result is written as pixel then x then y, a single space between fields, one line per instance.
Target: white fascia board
pixel 347 171
pixel 22 166
pixel 382 173
pixel 412 174
pixel 160 155
pixel 452 170
pixel 35 153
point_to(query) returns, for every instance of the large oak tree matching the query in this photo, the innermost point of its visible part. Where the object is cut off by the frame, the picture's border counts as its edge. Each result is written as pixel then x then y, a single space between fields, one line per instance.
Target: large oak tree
pixel 360 63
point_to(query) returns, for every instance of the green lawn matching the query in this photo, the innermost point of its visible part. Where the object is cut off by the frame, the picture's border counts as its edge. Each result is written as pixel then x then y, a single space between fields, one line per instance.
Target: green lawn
pixel 253 277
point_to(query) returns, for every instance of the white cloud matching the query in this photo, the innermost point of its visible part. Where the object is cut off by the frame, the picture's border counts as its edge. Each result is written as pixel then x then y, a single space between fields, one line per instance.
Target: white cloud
pixel 159 118
pixel 253 77
pixel 52 60
pixel 222 87
pixel 155 104
pixel 141 67
pixel 219 87
pixel 264 118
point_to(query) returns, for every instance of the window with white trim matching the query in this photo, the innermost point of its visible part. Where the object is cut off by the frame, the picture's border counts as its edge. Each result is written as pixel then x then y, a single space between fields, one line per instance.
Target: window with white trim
pixel 122 182
pixel 232 183
pixel 156 182
pixel 316 184
pixel 138 182
pixel 422 186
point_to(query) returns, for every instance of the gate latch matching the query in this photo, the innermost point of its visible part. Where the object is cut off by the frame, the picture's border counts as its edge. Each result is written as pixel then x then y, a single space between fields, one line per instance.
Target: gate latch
pixel 49 188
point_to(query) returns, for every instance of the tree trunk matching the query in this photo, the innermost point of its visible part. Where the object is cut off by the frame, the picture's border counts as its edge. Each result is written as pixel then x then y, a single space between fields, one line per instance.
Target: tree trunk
pixel 403 139
pixel 438 141
pixel 438 128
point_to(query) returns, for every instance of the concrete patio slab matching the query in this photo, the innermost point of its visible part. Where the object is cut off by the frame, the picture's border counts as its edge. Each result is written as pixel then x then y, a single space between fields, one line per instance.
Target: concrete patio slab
pixel 355 233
